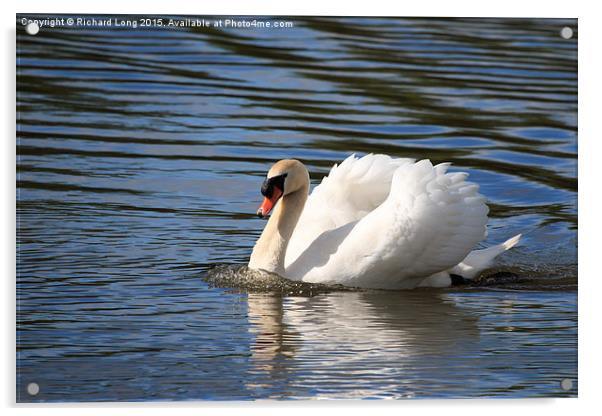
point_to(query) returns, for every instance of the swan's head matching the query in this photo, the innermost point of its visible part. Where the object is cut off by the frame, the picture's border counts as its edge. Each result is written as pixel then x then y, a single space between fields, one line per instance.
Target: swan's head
pixel 285 177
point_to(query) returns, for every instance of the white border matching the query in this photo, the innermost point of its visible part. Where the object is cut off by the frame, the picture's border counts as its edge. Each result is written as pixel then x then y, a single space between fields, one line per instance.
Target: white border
pixel 457 8
pixel 589 210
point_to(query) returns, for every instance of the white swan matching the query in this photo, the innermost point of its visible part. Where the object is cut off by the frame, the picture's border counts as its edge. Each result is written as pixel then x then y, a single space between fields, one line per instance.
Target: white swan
pixel 373 222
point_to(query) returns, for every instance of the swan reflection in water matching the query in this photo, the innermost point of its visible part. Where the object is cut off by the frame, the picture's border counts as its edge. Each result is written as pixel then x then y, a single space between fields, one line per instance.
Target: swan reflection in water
pixel 358 344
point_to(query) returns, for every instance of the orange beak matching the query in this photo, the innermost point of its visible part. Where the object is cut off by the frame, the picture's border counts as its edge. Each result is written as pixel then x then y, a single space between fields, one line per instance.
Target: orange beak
pixel 268 203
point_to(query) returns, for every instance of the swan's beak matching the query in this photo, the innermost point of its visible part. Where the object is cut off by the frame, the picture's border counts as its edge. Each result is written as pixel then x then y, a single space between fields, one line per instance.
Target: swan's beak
pixel 268 203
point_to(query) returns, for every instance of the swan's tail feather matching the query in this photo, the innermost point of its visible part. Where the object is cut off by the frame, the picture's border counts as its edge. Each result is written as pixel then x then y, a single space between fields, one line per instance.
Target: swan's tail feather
pixel 478 260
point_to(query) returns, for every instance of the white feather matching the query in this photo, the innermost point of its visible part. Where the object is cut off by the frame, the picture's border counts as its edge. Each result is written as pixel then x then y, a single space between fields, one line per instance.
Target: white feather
pixel 390 223
pixel 478 260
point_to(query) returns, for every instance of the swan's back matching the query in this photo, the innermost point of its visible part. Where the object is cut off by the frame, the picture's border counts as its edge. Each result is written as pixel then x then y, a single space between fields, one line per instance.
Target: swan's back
pixel 431 220
pixel 386 223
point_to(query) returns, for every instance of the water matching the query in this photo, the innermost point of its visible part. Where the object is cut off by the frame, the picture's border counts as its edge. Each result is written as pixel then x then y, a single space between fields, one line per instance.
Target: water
pixel 140 154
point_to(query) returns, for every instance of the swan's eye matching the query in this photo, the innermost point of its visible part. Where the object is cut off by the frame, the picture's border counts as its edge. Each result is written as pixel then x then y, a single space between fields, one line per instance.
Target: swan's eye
pixel 267 189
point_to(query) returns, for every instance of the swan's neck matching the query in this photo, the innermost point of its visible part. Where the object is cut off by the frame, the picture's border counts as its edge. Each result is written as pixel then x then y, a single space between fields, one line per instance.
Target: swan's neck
pixel 268 253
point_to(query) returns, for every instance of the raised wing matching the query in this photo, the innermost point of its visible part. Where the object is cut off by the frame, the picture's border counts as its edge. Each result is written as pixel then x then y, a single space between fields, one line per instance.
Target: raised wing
pixel 349 192
pixel 429 222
